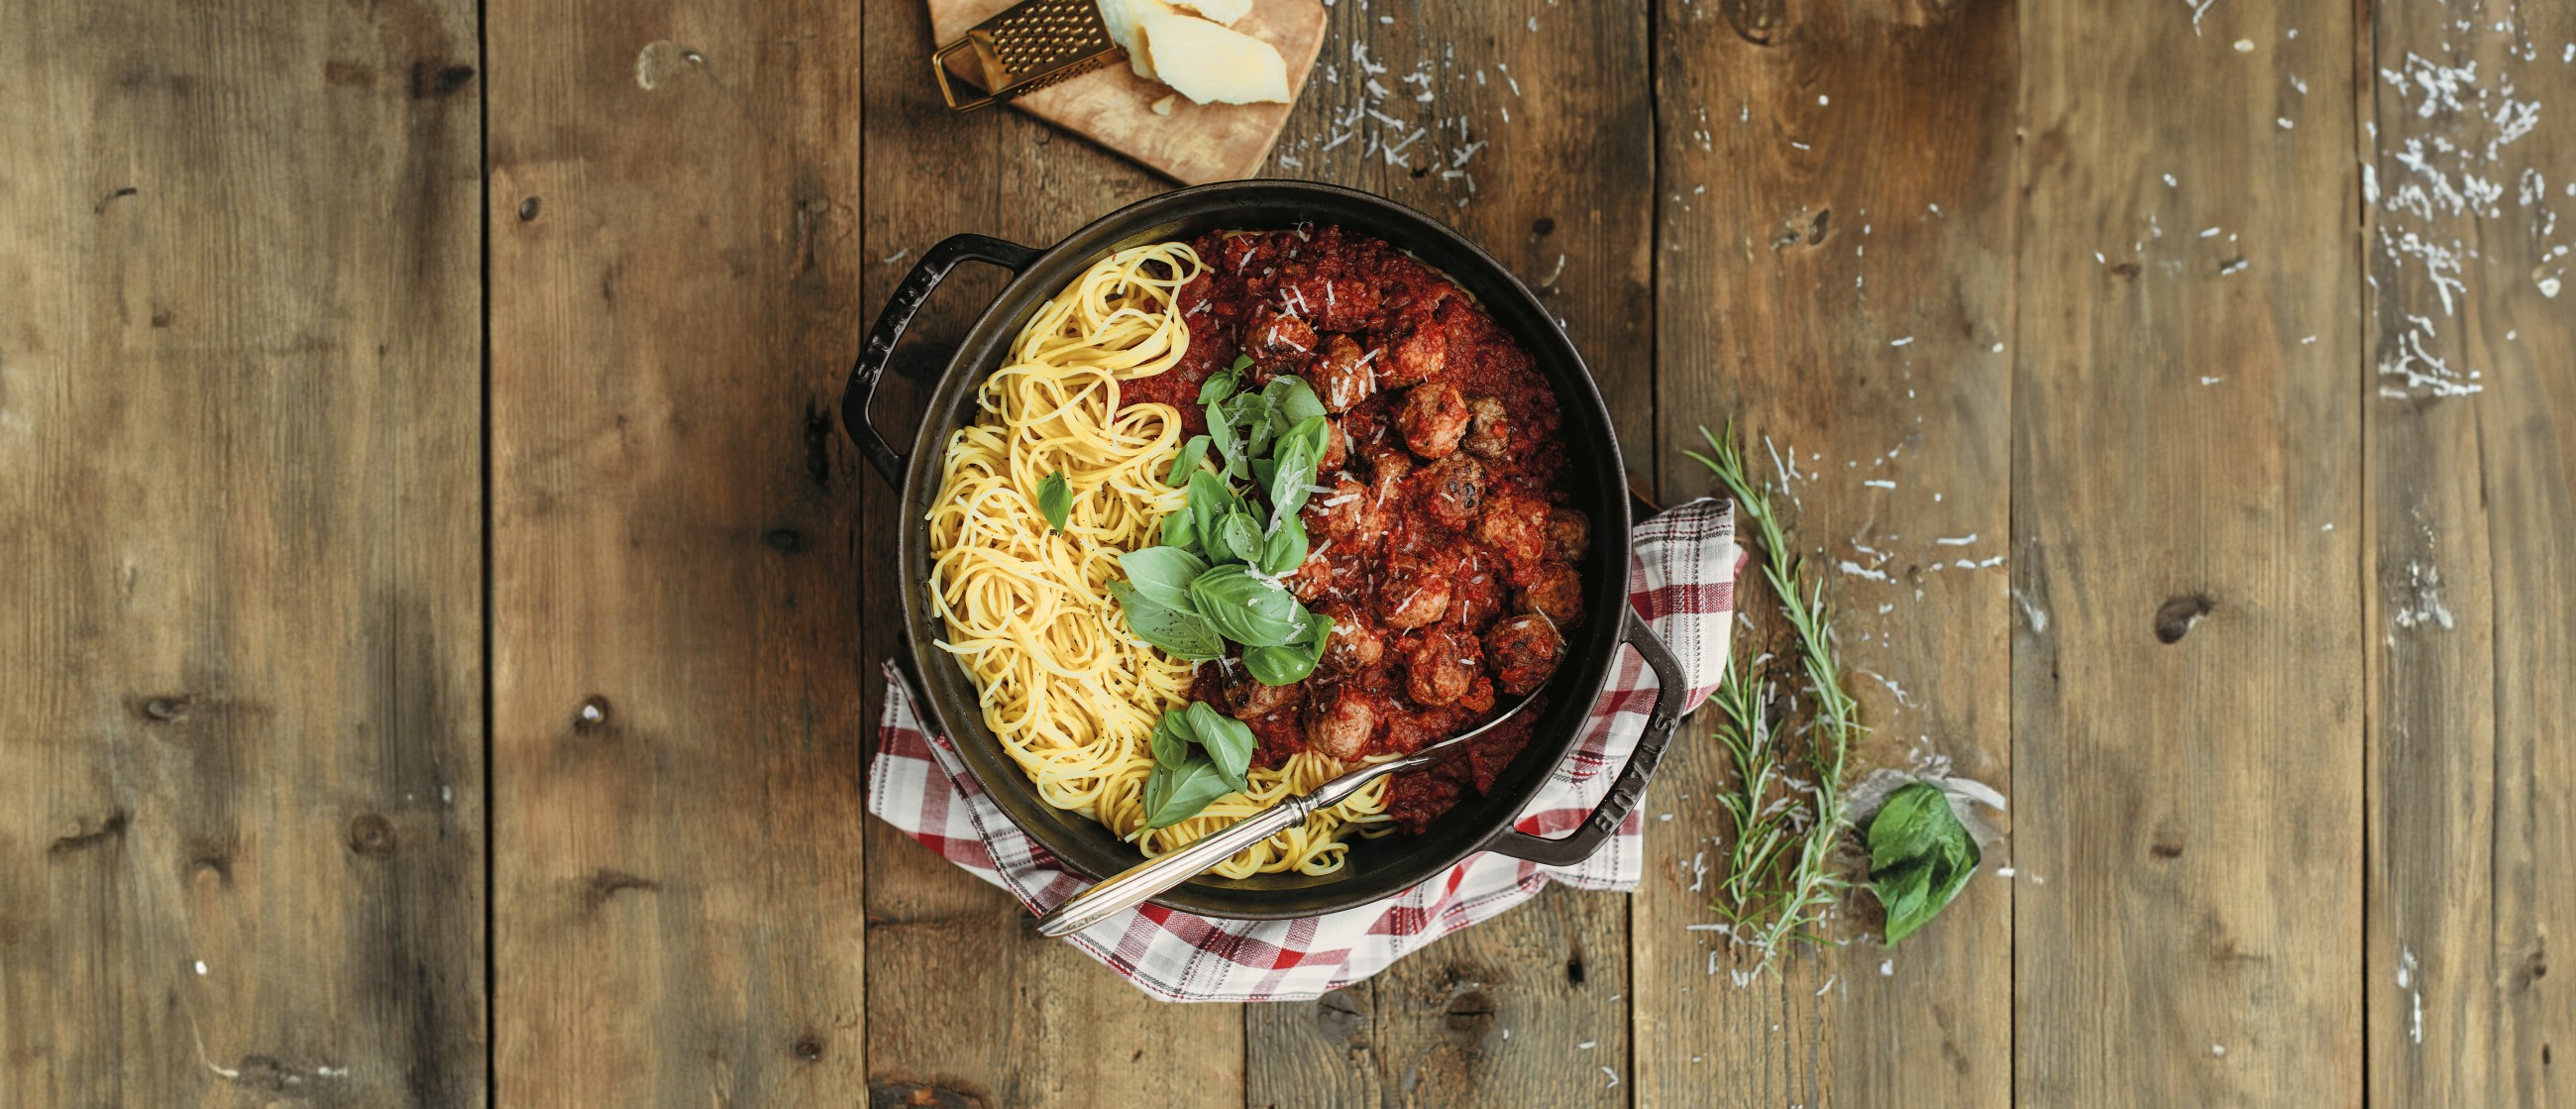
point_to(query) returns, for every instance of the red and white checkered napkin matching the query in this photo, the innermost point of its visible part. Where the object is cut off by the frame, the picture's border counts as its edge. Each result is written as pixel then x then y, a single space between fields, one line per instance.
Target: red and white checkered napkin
pixel 1682 582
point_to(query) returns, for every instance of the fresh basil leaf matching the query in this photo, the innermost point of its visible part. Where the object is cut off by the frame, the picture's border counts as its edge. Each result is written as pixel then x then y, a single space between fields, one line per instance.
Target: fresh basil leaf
pixel 1247 609
pixel 1242 536
pixel 1316 432
pixel 1182 635
pixel 1242 362
pixel 1289 663
pixel 1220 385
pixel 1250 415
pixel 1285 550
pixel 1292 402
pixel 1920 855
pixel 1181 530
pixel 1187 462
pixel 1228 741
pixel 1262 470
pixel 1162 575
pixel 1908 825
pixel 1223 436
pixel 1055 500
pixel 1171 739
pixel 1175 794
pixel 1302 403
pixel 1294 481
pixel 1209 501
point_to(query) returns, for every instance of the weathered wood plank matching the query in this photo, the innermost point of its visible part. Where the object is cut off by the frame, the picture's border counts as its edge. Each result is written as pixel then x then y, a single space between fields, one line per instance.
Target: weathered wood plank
pixel 1529 127
pixel 241 804
pixel 2472 503
pixel 1835 277
pixel 2188 728
pixel 677 707
pixel 1322 1052
pixel 981 1010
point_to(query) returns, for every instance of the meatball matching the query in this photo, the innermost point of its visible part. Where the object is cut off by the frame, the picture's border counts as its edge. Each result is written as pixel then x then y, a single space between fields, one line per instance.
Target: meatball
pixel 1312 578
pixel 1276 334
pixel 1338 724
pixel 1336 449
pixel 1418 357
pixel 1432 418
pixel 1355 644
pixel 1489 432
pixel 1474 597
pixel 1569 534
pixel 1390 466
pixel 1413 595
pixel 1342 376
pixel 1248 699
pixel 1441 666
pixel 1348 514
pixel 1524 650
pixel 1554 591
pixel 1452 489
pixel 1514 524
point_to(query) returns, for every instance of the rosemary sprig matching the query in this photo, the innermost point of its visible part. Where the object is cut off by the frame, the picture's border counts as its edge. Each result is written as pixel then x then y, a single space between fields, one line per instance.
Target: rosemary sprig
pixel 1781 877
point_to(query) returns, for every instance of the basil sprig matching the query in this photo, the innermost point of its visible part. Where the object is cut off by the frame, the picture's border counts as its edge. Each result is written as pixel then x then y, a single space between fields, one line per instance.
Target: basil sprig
pixel 1920 856
pixel 1216 576
pixel 1200 755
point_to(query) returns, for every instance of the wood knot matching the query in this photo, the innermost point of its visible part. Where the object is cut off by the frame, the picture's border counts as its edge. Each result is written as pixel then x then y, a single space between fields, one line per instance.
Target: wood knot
pixel 111 828
pixel 784 540
pixel 915 1095
pixel 1808 228
pixel 371 834
pixel 1340 1019
pixel 808 1048
pixel 1542 227
pixel 605 884
pixel 430 80
pixel 2175 618
pixel 165 710
pixel 1755 21
pixel 1471 1011
pixel 528 209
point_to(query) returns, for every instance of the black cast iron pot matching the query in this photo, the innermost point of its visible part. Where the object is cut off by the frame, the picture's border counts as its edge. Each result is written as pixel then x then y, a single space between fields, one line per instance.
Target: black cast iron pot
pixel 1597 478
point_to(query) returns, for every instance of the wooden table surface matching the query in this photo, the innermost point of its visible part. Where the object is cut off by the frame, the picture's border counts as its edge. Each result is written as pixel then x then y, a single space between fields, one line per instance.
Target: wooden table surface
pixel 441 616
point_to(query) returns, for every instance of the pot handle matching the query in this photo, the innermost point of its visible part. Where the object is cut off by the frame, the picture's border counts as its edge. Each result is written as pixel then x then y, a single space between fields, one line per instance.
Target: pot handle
pixel 897 315
pixel 1672 689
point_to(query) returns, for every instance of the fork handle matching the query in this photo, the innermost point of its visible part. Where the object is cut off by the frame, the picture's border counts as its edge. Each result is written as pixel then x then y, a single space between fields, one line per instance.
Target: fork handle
pixel 1139 883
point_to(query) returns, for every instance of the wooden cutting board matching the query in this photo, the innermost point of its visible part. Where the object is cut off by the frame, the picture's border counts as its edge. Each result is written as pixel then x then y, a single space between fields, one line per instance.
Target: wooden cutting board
pixel 1197 143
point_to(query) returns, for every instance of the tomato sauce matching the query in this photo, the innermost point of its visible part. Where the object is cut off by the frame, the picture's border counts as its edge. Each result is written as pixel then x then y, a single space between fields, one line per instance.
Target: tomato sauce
pixel 1444 551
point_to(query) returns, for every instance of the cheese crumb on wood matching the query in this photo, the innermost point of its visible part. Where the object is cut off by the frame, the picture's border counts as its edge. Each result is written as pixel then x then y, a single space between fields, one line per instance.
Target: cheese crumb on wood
pixel 1213 65
pixel 1222 11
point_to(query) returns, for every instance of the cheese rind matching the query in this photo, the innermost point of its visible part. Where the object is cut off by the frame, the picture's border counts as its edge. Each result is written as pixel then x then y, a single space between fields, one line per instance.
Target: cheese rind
pixel 1125 22
pixel 1213 65
pixel 1222 11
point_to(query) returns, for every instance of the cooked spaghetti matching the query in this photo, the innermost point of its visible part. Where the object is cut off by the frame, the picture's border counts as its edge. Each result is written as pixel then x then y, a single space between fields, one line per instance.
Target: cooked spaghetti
pixel 1070 691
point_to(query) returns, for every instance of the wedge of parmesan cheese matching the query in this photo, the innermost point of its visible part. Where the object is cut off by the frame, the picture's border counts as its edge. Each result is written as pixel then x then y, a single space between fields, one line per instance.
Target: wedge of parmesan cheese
pixel 1213 65
pixel 1222 11
pixel 1125 22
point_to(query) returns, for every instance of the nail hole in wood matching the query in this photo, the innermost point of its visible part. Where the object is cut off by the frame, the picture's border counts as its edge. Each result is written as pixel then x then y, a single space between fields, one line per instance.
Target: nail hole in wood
pixel 528 209
pixel 592 715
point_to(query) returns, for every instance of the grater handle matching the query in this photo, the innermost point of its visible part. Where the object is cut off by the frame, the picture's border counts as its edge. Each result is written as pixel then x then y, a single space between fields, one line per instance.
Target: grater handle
pixel 948 80
pixel 899 310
